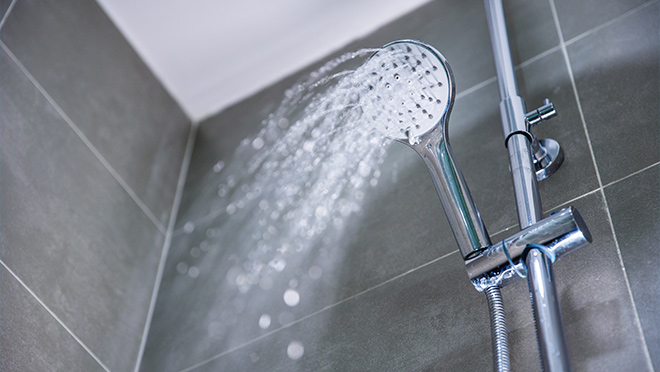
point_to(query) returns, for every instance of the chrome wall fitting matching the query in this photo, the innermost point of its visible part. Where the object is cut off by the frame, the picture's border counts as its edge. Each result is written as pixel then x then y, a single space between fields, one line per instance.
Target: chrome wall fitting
pixel 548 155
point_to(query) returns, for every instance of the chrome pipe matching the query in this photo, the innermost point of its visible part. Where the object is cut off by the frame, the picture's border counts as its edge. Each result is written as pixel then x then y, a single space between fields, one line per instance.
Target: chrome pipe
pixel 551 340
pixel 545 304
pixel 523 175
pixel 501 51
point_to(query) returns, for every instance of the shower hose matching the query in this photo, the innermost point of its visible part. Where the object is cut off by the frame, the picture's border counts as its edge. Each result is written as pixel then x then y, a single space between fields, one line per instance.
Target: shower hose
pixel 498 329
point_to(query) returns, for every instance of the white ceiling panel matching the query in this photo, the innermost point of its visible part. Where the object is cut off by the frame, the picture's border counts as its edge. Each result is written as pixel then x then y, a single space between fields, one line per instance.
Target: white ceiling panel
pixel 210 54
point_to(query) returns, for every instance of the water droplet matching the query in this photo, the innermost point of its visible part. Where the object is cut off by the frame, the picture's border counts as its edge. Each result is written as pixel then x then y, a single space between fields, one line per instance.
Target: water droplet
pixel 295 350
pixel 182 267
pixel 388 86
pixel 264 321
pixel 291 297
pixel 218 166
pixel 195 252
pixel 430 116
pixel 293 283
pixel 231 209
pixel 189 227
pixel 308 146
pixel 277 263
pixel 283 123
pixel 320 212
pixel 315 272
pixel 258 143
pixel 193 272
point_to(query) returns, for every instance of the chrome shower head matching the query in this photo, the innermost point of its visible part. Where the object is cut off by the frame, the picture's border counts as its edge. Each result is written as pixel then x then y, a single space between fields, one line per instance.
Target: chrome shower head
pixel 411 89
pixel 414 91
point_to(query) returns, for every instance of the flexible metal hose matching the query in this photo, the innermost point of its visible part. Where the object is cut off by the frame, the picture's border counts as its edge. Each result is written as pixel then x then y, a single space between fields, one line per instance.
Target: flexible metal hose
pixel 498 329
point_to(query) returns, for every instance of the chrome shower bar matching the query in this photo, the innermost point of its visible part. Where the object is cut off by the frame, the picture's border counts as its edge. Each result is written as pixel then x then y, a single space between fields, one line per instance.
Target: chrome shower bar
pixel 519 141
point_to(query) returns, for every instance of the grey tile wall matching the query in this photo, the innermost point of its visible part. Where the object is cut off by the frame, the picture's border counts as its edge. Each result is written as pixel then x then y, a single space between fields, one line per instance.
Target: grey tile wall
pixel 393 295
pixel 105 88
pixel 616 73
pixel 635 208
pixel 70 231
pixel 32 340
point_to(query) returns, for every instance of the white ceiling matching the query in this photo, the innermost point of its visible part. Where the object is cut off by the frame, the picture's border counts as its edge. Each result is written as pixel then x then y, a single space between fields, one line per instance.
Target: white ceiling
pixel 210 54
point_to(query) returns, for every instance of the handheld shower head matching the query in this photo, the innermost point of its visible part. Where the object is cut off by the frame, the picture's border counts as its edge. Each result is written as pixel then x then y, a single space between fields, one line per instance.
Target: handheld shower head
pixel 412 87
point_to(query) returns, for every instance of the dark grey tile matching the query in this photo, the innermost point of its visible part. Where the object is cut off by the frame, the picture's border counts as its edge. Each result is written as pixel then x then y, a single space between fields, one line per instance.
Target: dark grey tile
pixel 429 320
pixel 616 72
pixel 32 340
pixel 577 17
pixel 635 211
pixel 69 231
pixel 75 52
pixel 598 317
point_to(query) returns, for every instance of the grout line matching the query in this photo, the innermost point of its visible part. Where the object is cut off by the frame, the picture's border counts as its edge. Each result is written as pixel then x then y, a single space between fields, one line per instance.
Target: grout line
pixel 9 9
pixel 476 87
pixel 185 164
pixel 319 311
pixel 609 23
pixel 537 57
pixel 632 174
pixel 86 141
pixel 55 316
pixel 600 183
pixel 575 198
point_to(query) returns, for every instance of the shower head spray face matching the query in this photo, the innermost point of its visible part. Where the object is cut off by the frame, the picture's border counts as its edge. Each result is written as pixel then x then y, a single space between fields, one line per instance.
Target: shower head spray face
pixel 412 88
